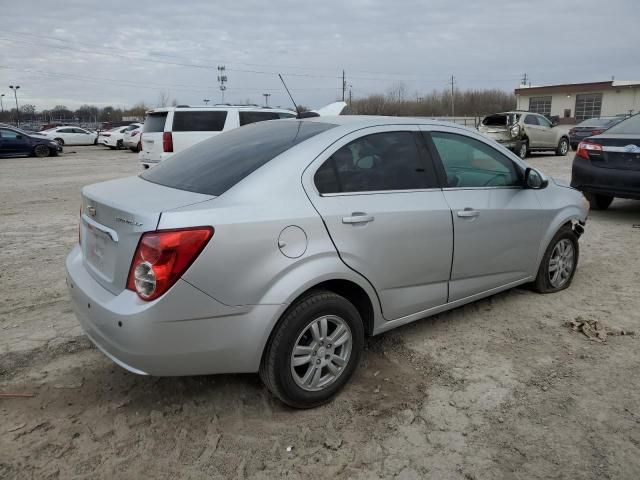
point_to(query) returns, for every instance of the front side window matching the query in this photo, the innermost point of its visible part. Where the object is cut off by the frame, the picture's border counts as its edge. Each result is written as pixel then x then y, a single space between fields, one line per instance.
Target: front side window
pixel 381 161
pixel 469 163
pixel 543 122
pixel 8 134
pixel 212 121
pixel 531 120
pixel 65 130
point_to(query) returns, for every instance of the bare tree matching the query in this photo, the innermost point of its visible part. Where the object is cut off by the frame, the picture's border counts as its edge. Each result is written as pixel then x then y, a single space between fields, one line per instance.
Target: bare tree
pixel 163 98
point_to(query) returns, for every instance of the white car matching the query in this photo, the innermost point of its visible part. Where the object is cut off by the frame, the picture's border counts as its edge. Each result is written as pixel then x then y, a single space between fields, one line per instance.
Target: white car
pixel 132 139
pixel 168 131
pixel 70 135
pixel 114 138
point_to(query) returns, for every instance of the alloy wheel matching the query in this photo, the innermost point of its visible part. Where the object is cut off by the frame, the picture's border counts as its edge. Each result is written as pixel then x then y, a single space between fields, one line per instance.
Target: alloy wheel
pixel 321 353
pixel 561 263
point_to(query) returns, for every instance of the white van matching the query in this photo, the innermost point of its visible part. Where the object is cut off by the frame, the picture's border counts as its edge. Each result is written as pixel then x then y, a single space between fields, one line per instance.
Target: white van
pixel 170 130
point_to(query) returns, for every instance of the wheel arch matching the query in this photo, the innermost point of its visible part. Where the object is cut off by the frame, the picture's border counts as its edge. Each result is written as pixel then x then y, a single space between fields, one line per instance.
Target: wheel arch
pixel 566 217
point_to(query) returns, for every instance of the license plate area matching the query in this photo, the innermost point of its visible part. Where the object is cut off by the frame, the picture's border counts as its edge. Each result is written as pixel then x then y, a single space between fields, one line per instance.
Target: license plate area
pixel 99 251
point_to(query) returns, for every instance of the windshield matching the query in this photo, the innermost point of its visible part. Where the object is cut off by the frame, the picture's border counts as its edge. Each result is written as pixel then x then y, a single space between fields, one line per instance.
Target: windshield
pixel 215 165
pixel 630 126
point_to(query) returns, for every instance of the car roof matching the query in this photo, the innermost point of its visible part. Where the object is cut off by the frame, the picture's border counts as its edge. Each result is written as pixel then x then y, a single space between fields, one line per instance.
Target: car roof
pixel 362 121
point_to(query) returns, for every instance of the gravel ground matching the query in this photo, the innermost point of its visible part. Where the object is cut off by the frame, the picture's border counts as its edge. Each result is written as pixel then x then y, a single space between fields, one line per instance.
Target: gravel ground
pixel 500 389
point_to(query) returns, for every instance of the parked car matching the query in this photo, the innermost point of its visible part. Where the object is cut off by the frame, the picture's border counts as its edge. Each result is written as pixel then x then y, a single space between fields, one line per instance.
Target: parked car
pixel 592 126
pixel 114 138
pixel 17 142
pixel 608 165
pixel 168 131
pixel 70 135
pixel 277 246
pixel 524 132
pixel 132 139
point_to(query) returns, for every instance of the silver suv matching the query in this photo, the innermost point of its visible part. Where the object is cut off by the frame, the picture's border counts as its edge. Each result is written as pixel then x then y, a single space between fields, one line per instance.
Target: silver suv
pixel 524 132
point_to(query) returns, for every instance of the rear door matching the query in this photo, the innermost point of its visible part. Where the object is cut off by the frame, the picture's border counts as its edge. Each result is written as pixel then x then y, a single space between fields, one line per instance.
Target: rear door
pixel 497 223
pixel 193 126
pixel 154 126
pixel 379 198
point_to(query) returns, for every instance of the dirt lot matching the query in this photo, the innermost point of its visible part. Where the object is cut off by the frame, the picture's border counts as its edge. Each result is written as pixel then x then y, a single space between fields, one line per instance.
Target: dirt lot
pixel 499 389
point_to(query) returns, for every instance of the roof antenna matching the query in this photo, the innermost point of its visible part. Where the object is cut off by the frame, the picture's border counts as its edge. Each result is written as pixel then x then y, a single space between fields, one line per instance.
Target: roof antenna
pixel 299 114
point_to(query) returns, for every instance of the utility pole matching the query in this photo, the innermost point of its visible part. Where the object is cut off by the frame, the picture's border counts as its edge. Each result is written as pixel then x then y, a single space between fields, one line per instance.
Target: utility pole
pixel 1 104
pixel 206 101
pixel 350 96
pixel 266 99
pixel 15 94
pixel 453 80
pixel 222 79
pixel 524 80
pixel 344 85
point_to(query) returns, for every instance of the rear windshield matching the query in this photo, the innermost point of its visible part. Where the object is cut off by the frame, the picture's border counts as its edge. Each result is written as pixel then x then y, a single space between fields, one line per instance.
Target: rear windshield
pixel 597 122
pixel 630 126
pixel 252 117
pixel 199 121
pixel 215 165
pixel 155 122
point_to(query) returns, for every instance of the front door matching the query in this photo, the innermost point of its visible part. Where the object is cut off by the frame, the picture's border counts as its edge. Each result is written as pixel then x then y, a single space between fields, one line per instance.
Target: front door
pixel 379 198
pixel 497 225
pixel 547 133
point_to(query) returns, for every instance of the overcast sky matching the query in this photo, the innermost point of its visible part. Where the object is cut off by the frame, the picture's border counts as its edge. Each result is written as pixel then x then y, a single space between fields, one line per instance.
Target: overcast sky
pixel 72 52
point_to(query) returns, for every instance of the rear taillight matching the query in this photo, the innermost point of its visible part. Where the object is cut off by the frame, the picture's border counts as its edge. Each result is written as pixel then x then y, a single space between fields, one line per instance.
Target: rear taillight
pixel 134 134
pixel 597 131
pixel 162 257
pixel 167 142
pixel 585 147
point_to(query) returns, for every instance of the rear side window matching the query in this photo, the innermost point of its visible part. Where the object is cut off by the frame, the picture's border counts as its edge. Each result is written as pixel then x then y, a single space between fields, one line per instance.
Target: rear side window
pixel 215 165
pixel 155 122
pixel 253 117
pixel 199 121
pixel 382 161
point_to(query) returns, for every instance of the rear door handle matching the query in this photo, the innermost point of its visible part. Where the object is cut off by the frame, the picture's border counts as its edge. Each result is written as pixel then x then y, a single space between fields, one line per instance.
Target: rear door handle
pixel 358 217
pixel 468 213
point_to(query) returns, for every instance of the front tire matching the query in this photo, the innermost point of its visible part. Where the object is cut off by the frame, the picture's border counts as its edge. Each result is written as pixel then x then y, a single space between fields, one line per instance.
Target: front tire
pixel 41 151
pixel 563 147
pixel 559 262
pixel 314 350
pixel 523 151
pixel 598 202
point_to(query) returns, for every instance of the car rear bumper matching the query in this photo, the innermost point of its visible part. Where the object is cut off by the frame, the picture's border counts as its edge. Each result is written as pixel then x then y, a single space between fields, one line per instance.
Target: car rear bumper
pixel 605 181
pixel 184 332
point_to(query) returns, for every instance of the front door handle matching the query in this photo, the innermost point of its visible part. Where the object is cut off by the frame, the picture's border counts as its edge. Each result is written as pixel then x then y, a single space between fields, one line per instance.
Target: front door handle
pixel 358 217
pixel 468 213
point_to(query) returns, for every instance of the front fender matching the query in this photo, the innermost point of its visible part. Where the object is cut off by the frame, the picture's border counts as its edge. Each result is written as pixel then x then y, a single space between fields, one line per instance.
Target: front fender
pixel 568 214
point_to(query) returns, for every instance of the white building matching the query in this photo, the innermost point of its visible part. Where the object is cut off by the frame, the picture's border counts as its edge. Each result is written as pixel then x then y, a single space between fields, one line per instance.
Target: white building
pixel 575 102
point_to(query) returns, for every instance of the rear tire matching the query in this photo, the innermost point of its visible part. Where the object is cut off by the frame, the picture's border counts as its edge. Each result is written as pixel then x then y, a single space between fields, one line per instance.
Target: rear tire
pixel 315 350
pixel 563 147
pixel 561 254
pixel 598 202
pixel 41 151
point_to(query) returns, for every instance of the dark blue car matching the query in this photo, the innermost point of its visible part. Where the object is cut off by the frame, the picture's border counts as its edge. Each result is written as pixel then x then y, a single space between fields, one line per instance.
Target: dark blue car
pixel 17 142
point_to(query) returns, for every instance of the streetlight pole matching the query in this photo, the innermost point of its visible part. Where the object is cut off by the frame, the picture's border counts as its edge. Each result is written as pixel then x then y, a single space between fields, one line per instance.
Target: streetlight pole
pixel 206 101
pixel 266 99
pixel 15 94
pixel 1 104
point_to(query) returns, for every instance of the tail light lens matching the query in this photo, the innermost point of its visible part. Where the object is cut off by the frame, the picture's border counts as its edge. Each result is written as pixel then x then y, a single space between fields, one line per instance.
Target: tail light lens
pixel 167 142
pixel 162 257
pixel 585 147
pixel 597 131
pixel 133 134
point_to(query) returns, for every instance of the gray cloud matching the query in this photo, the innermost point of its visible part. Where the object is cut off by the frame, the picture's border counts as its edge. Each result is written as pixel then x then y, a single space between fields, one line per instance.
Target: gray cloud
pixel 121 53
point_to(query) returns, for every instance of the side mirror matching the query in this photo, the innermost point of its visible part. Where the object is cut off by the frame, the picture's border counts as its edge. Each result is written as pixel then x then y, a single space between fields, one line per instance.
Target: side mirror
pixel 533 179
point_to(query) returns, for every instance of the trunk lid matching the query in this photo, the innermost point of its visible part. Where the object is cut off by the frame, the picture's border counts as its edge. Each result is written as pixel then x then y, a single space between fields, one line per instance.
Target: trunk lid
pixel 620 152
pixel 115 214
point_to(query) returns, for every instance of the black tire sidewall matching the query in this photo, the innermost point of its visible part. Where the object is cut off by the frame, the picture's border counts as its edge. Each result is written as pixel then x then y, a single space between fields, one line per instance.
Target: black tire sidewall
pixel 542 281
pixel 287 334
pixel 524 144
pixel 35 151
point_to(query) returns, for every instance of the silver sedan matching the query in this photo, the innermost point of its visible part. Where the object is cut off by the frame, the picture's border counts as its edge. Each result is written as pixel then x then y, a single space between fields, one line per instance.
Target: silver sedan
pixel 278 246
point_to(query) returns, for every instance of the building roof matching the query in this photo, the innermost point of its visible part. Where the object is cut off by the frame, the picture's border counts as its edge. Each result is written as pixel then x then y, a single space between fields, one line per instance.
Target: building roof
pixel 576 87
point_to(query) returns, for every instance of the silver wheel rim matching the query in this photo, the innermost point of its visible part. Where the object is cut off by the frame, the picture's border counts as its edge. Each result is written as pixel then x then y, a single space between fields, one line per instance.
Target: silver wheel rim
pixel 321 353
pixel 523 150
pixel 561 263
pixel 564 147
pixel 42 151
